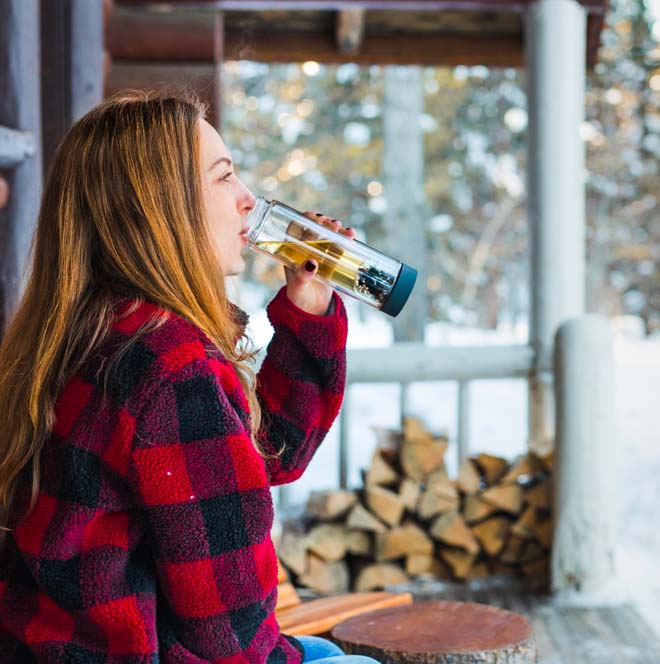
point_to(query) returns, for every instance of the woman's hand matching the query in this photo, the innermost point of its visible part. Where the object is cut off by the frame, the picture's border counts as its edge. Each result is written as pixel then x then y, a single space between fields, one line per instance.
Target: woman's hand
pixel 309 294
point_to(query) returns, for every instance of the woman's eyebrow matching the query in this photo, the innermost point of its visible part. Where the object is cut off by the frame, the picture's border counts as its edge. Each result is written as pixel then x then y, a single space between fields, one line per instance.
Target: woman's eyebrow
pixel 220 160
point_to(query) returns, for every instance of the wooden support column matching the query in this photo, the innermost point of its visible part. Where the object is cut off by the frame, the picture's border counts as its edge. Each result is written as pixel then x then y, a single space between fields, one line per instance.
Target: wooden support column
pixel 71 65
pixel 19 110
pixel 556 72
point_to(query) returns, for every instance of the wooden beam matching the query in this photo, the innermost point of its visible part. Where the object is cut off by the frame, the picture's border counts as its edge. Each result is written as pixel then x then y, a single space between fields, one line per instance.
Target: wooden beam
pixel 151 44
pixel 350 30
pixel 144 36
pixel 431 5
pixel 438 49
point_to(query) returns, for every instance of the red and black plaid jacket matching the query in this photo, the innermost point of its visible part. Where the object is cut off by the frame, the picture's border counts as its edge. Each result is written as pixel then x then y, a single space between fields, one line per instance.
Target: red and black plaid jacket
pixel 150 541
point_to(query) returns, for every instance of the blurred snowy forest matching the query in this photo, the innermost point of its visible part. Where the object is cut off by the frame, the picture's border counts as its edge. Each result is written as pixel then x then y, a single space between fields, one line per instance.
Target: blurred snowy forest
pixel 313 136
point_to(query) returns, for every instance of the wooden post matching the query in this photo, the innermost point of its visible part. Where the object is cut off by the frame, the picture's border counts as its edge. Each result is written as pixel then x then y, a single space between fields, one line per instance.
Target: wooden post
pixel 19 109
pixel 71 65
pixel 585 496
pixel 556 72
pixel 349 30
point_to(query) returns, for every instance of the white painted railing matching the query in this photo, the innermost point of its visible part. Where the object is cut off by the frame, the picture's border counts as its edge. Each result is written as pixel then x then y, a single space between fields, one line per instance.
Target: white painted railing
pixel 15 146
pixel 406 363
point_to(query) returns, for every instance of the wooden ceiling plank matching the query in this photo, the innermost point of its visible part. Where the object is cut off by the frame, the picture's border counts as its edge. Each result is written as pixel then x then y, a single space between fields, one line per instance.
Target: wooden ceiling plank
pixel 439 5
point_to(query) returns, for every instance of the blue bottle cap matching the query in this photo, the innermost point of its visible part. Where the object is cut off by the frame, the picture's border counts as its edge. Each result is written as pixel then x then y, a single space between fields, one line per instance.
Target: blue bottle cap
pixel 400 291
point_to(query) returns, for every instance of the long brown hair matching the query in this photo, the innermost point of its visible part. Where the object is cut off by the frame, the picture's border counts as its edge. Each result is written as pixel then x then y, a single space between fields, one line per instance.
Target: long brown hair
pixel 121 216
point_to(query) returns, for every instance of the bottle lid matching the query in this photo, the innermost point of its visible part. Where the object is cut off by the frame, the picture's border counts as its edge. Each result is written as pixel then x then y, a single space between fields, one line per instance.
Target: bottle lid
pixel 400 291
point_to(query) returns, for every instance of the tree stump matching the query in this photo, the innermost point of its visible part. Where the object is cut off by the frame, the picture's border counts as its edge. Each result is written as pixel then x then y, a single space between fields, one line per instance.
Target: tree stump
pixel 439 632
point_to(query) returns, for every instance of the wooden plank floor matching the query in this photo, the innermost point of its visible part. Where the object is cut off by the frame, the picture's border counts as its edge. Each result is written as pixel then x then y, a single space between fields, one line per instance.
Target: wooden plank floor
pixel 564 634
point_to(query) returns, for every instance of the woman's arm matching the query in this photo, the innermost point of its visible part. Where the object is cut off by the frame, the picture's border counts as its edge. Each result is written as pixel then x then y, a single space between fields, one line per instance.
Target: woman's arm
pixel 204 493
pixel 301 383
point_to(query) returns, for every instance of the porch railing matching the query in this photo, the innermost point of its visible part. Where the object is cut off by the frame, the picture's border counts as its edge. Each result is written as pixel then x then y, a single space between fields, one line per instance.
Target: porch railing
pixel 406 363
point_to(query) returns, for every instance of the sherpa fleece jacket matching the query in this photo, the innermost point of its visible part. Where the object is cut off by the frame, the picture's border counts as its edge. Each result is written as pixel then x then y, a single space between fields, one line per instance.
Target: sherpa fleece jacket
pixel 150 540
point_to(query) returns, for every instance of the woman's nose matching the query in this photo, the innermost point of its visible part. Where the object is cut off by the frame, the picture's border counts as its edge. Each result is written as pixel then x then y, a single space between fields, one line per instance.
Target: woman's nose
pixel 246 199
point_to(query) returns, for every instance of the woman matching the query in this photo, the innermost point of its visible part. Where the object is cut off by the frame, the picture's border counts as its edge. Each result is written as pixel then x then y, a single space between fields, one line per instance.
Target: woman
pixel 138 447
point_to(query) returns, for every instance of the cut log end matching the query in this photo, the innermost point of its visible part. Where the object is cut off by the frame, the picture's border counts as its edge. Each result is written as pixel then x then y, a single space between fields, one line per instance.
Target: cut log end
pixel 439 632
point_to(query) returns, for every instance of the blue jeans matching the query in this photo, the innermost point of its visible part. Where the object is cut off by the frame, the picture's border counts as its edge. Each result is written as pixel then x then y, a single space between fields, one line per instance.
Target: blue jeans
pixel 322 651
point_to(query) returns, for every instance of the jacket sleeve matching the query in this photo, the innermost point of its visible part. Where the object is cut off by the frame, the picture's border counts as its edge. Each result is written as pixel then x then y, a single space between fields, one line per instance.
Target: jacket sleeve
pixel 204 493
pixel 301 384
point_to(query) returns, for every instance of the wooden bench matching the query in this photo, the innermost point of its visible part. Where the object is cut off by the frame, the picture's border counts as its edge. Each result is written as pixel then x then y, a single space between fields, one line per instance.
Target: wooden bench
pixel 319 616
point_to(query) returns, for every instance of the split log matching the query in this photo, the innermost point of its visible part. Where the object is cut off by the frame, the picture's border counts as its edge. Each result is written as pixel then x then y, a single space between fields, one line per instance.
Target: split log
pixel 420 564
pixel 327 541
pixel 451 529
pixel 330 505
pixel 358 543
pixel 544 531
pixel 531 552
pixel 492 467
pixel 380 472
pixel 325 577
pixel 469 481
pixel 548 461
pixel 539 495
pixel 476 510
pixel 507 497
pixel 409 493
pixel 439 497
pixel 414 431
pixel 538 569
pixel 525 527
pixel 478 571
pixel 402 541
pixel 420 453
pixel 292 552
pixel 513 551
pixel 492 534
pixel 388 441
pixel 379 576
pixel 526 466
pixel 459 560
pixel 361 519
pixel 385 504
pixel 440 632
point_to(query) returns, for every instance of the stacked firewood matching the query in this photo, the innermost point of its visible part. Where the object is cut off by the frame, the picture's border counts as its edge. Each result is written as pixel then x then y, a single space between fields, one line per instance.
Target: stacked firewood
pixel 410 519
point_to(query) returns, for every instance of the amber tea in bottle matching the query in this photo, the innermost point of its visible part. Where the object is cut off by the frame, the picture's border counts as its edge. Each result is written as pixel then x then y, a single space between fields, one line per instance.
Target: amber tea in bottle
pixel 348 265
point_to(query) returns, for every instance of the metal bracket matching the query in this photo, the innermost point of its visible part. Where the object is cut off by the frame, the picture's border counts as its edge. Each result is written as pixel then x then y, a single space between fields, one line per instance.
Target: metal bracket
pixel 15 147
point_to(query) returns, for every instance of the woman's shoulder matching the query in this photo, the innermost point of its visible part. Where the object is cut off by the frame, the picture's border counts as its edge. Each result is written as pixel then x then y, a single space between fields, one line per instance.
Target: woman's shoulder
pixel 161 345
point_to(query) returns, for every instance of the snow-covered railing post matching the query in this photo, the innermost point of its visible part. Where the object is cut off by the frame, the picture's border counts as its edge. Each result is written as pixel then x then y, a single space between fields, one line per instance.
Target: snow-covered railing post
pixel 585 491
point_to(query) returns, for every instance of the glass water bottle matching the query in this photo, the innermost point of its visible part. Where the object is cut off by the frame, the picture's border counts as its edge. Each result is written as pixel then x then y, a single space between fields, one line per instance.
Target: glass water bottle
pixel 348 265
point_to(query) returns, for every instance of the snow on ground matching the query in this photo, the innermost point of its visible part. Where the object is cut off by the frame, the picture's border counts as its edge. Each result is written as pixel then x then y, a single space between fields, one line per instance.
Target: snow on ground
pixel 498 423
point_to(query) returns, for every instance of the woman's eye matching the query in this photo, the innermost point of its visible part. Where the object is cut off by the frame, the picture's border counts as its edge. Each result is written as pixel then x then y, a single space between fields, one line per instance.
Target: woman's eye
pixel 226 177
